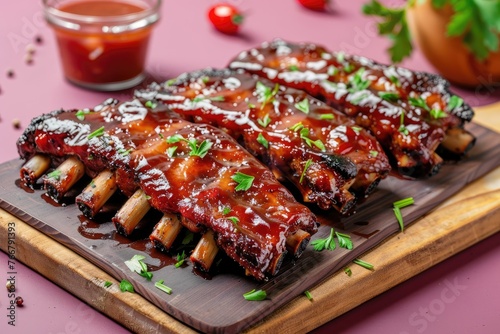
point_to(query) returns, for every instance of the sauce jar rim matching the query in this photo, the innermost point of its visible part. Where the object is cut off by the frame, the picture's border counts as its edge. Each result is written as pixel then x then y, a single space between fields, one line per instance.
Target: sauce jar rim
pixel 110 24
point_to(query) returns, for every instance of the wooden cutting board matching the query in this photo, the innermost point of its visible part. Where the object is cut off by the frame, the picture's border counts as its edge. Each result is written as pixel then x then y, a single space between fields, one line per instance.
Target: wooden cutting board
pixel 397 259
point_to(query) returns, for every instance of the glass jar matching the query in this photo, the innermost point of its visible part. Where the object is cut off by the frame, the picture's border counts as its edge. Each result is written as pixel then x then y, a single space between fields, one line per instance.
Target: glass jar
pixel 103 43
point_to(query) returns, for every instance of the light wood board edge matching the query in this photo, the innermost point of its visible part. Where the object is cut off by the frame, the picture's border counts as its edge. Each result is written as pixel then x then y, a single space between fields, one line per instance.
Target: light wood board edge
pixel 84 280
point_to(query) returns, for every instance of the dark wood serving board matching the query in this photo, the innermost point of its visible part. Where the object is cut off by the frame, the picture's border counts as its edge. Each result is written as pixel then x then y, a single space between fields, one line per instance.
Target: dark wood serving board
pixel 217 305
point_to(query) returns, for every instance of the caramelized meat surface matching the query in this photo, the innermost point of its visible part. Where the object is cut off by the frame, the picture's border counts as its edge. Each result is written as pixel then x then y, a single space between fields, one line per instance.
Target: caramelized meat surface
pixel 194 170
pixel 410 113
pixel 330 159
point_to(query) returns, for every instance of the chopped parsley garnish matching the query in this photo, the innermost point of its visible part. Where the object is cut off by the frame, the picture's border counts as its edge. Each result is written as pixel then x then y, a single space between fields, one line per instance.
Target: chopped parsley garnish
pixel 332 70
pixel 123 151
pixel 171 151
pixel 251 105
pixel 199 150
pixel 304 134
pixel 181 257
pixel 80 114
pixel 264 122
pixel 92 184
pixel 187 238
pixel 308 295
pixel 266 95
pixel 326 243
pixel 97 133
pixel 55 174
pixel 356 81
pixel 364 264
pixel 340 57
pixel 170 82
pixel 226 210
pixel 150 104
pixel 397 206
pixel 296 127
pixel 348 271
pixel 419 102
pixel 303 106
pixel 436 113
pixel 348 68
pixel 344 240
pixel 455 102
pixel 163 287
pixel 395 80
pixel 356 129
pixel 137 265
pixel 234 220
pixel 359 98
pixel 255 295
pixel 374 153
pixel 402 127
pixel 293 68
pixel 126 286
pixel 306 167
pixel 107 284
pixel 263 141
pixel 244 181
pixel 389 96
pixel 329 242
pixel 326 116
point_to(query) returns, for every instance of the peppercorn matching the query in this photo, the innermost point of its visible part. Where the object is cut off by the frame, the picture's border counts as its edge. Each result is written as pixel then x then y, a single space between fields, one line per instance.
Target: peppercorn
pixel 19 301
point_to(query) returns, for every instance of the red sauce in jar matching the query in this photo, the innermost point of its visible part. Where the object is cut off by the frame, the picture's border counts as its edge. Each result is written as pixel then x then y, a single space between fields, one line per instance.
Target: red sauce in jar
pixel 107 54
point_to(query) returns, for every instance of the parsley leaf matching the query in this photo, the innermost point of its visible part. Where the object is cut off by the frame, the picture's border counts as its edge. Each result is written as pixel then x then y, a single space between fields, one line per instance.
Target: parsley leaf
pixel 55 174
pixel 255 295
pixel 244 181
pixel 265 94
pixel 326 243
pixel 419 102
pixel 389 96
pixel 437 113
pixel 97 133
pixel 303 106
pixel 181 257
pixel 163 287
pixel 455 102
pixel 306 167
pixel 126 286
pixel 393 25
pixel 262 140
pixel 344 240
pixel 264 122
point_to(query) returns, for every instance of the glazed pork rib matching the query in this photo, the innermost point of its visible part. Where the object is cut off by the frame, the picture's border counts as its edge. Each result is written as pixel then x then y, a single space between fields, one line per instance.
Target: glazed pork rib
pixel 331 160
pixel 182 169
pixel 410 113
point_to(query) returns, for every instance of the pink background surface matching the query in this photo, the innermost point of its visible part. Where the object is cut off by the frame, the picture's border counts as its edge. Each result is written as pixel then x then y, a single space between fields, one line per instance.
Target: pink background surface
pixel 185 41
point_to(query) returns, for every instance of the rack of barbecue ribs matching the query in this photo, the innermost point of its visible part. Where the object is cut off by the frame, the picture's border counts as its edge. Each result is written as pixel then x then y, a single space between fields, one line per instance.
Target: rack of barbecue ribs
pixel 196 175
pixel 324 154
pixel 412 114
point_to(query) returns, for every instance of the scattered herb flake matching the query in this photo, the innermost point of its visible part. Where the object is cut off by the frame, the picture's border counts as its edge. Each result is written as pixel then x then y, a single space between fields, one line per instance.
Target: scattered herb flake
pixel 326 116
pixel 107 284
pixel 455 102
pixel 255 295
pixel 263 141
pixel 244 181
pixel 307 165
pixel 264 122
pixel 308 295
pixel 437 113
pixel 55 174
pixel 97 133
pixel 332 70
pixel 175 139
pixel 199 150
pixel 234 220
pixel 226 210
pixel 402 127
pixel 293 68
pixel 303 106
pixel 374 153
pixel 418 102
pixel 356 129
pixel 348 271
pixel 326 243
pixel 296 127
pixel 126 286
pixel 389 96
pixel 265 93
pixel 344 240
pixel 80 114
pixel 171 151
pixel 163 287
pixel 363 264
pixel 397 206
pixel 181 257
pixel 150 104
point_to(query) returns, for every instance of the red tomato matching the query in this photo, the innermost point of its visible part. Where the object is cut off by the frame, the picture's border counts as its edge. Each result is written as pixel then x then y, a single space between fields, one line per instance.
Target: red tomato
pixel 318 5
pixel 225 18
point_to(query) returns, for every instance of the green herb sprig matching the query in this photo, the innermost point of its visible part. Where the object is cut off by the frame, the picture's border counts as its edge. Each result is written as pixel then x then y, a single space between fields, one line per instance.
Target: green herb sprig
pixel 244 181
pixel 397 206
pixel 199 150
pixel 255 295
pixel 328 243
